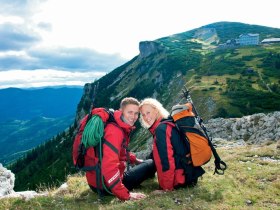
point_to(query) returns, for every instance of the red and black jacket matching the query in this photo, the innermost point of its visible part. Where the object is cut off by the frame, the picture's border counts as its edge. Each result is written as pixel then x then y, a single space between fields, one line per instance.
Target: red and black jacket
pixel 116 140
pixel 169 172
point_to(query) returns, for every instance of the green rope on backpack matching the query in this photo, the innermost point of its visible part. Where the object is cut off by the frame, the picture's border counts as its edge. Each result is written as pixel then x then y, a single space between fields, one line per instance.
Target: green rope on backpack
pixel 92 136
pixel 93 132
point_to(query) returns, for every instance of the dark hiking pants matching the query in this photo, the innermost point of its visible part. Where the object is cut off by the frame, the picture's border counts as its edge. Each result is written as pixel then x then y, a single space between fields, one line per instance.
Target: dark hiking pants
pixel 135 175
pixel 139 173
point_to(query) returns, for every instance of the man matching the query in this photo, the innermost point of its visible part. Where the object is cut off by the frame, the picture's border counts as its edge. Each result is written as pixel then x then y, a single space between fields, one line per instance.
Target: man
pixel 116 155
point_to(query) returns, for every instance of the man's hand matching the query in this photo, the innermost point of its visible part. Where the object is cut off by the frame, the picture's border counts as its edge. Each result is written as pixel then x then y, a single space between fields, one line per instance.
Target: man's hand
pixel 138 161
pixel 136 196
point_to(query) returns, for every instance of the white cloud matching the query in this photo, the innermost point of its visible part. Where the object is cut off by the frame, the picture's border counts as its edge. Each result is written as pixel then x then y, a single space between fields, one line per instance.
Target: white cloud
pixel 68 59
pixel 92 34
pixel 11 19
pixel 46 77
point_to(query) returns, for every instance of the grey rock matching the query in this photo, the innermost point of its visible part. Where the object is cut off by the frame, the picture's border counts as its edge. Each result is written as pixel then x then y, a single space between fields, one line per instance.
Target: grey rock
pixel 7 181
pixel 147 48
pixel 256 128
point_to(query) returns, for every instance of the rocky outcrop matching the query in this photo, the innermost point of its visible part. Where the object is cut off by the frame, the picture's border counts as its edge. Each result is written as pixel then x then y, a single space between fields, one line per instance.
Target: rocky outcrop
pixel 253 129
pixel 25 195
pixel 147 48
pixel 80 113
pixel 208 35
pixel 7 182
pixel 145 153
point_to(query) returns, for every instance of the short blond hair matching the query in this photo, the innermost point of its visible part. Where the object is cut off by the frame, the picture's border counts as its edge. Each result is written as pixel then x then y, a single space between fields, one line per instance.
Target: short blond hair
pixel 129 100
pixel 155 104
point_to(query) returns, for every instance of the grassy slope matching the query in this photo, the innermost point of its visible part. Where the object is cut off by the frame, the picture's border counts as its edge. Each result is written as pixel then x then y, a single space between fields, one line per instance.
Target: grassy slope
pixel 215 84
pixel 250 182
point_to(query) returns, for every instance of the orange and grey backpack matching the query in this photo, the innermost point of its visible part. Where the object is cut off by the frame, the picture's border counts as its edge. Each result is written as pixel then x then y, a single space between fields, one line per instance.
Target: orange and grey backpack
pixel 192 129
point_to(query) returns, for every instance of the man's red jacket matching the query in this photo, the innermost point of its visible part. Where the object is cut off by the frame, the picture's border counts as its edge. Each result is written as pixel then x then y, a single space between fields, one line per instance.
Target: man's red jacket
pixel 114 159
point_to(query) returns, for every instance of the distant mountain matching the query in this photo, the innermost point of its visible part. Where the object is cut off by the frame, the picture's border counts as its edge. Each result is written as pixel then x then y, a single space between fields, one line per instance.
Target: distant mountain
pixel 29 117
pixel 25 104
pixel 225 82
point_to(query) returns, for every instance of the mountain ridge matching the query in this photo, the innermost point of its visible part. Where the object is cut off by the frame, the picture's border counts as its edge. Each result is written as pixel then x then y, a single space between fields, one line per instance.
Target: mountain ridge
pixel 24 104
pixel 218 79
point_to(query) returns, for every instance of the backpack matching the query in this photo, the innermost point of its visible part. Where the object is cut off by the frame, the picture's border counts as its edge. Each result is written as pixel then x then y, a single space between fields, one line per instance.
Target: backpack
pixel 195 136
pixel 181 154
pixel 87 145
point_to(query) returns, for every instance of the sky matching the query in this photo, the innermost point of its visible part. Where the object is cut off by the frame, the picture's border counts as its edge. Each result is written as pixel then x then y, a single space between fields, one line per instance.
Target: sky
pixel 72 42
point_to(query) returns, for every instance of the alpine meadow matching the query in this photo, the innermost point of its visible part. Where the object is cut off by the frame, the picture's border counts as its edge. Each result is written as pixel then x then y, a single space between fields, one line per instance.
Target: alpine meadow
pixel 226 79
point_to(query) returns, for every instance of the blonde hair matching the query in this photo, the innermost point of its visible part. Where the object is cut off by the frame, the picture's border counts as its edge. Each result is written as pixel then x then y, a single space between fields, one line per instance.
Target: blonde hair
pixel 155 104
pixel 129 100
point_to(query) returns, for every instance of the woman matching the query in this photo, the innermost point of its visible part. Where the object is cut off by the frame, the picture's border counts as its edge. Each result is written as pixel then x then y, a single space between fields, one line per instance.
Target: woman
pixel 168 148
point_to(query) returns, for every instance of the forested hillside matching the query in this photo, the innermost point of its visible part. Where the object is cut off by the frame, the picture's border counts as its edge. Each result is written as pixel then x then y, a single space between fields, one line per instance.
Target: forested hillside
pixel 19 136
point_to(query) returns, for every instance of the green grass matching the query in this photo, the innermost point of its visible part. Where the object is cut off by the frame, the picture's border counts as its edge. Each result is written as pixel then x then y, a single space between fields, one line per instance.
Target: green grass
pixel 250 182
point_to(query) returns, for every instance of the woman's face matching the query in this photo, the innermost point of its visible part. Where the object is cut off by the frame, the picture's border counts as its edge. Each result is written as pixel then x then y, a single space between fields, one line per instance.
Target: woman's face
pixel 149 114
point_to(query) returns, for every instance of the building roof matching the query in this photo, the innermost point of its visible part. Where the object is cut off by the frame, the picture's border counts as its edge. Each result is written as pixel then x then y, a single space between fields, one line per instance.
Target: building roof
pixel 271 40
pixel 248 35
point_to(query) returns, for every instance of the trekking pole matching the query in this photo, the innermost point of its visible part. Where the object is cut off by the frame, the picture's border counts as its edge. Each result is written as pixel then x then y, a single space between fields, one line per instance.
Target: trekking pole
pixel 220 166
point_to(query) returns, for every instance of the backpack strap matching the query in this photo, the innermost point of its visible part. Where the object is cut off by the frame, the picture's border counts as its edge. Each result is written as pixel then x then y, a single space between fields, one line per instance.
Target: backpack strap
pixel 99 176
pixel 112 121
pixel 109 144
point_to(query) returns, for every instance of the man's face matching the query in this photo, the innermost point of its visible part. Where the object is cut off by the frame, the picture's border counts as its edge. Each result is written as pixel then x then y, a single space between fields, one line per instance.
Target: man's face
pixel 130 113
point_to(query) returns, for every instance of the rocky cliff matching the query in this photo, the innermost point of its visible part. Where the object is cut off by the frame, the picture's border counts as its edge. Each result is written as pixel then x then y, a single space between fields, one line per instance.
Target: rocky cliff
pixel 7 181
pixel 252 129
pixel 147 48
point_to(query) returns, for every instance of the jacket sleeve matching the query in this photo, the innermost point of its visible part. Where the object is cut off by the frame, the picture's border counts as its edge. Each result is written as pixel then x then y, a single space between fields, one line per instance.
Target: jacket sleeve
pixel 132 158
pixel 165 151
pixel 110 162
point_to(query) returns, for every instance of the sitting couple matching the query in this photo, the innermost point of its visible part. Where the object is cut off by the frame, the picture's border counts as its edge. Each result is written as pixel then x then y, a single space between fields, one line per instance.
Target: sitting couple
pixel 170 171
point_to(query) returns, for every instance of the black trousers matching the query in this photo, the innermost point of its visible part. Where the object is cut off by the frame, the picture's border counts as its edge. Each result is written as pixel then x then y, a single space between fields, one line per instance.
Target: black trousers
pixel 139 173
pixel 136 175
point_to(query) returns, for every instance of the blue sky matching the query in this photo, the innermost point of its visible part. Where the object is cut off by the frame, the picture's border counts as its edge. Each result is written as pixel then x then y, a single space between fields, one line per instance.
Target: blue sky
pixel 71 42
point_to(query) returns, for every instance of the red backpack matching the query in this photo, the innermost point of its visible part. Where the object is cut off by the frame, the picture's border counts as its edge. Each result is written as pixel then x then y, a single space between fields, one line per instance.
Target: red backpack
pixel 88 156
pixel 84 158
